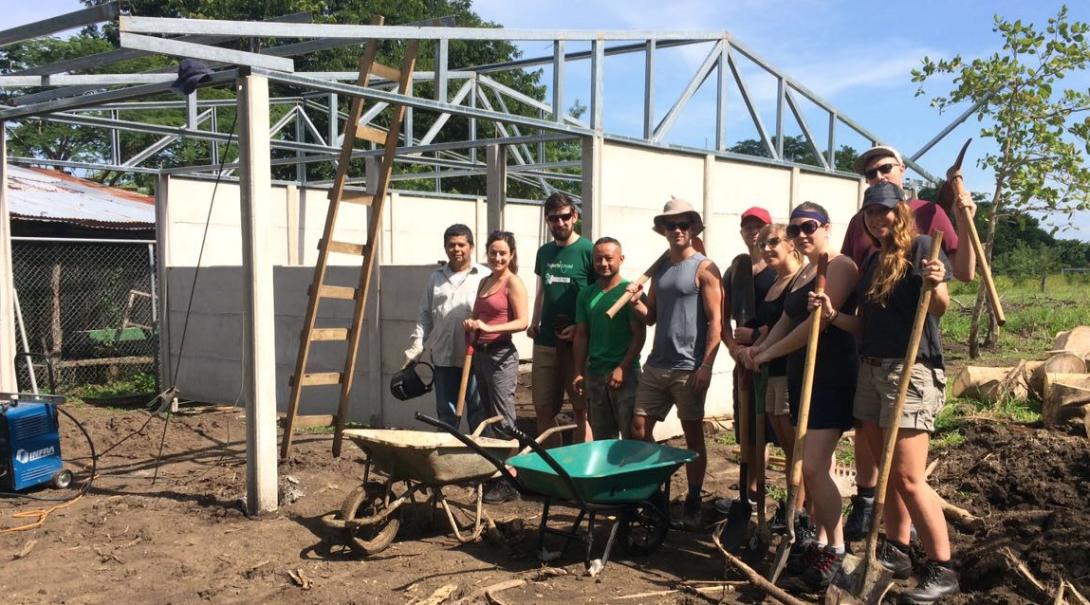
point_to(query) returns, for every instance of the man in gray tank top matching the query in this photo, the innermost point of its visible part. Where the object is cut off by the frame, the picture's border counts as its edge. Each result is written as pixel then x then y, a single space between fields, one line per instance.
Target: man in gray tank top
pixel 685 302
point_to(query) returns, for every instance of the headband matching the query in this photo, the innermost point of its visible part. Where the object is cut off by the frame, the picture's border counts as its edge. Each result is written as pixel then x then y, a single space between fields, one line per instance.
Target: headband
pixel 817 215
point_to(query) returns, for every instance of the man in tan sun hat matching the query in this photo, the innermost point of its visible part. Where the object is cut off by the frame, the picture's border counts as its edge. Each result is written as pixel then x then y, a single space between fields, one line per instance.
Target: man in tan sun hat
pixel 684 302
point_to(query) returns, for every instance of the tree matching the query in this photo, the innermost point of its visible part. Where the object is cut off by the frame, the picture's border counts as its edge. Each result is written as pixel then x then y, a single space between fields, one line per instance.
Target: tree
pixel 1036 126
pixel 796 149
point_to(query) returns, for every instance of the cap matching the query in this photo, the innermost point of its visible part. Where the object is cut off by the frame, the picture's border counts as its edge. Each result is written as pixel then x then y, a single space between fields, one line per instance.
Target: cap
pixel 191 73
pixel 758 213
pixel 879 151
pixel 884 193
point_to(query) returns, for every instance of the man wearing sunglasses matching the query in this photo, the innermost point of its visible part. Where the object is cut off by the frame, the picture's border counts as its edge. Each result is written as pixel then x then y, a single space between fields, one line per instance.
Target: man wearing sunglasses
pixel 884 164
pixel 563 267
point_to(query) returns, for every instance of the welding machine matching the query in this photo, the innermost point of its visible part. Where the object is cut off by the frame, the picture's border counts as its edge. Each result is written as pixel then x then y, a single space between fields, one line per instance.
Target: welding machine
pixel 30 442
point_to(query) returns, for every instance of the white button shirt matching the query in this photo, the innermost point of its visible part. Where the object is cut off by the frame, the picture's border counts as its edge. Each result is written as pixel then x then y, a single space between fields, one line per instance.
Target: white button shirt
pixel 447 301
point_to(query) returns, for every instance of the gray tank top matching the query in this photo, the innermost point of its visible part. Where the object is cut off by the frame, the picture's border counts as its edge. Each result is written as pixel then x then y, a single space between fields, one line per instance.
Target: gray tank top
pixel 681 327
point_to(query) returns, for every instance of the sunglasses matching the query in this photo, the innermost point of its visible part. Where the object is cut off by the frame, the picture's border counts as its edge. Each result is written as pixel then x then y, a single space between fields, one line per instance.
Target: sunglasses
pixel 807 228
pixel 884 169
pixel 771 242
pixel 560 218
pixel 670 226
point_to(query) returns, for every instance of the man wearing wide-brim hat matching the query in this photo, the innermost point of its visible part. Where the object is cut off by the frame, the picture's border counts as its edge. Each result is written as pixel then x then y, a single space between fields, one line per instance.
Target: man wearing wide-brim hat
pixel 684 302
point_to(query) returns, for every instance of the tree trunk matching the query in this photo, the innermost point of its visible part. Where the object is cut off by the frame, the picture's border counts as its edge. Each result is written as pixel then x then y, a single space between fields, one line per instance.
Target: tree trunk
pixel 981 293
pixel 1064 396
pixel 1059 363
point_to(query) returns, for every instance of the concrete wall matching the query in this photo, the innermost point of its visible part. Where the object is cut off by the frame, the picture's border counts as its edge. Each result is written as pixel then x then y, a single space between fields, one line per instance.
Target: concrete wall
pixel 635 182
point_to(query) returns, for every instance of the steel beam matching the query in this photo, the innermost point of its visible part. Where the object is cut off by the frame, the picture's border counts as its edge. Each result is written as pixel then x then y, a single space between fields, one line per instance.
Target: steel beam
pixel 649 90
pixel 721 97
pixel 597 83
pixel 697 80
pixel 558 81
pixel 81 165
pixel 805 127
pixel 166 46
pixel 60 23
pixel 945 131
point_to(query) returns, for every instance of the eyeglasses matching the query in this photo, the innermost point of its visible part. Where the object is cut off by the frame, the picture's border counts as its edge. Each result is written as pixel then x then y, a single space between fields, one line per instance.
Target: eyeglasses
pixel 884 169
pixel 771 242
pixel 807 228
pixel 560 218
pixel 669 226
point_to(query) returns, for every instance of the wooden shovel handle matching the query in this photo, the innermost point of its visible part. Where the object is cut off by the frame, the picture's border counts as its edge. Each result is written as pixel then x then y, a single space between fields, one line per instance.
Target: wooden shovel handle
pixel 808 378
pixel 467 368
pixel 698 245
pixel 958 184
pixel 886 461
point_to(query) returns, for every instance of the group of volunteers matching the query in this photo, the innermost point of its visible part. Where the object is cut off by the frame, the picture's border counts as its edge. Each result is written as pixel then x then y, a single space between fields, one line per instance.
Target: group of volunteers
pixel 873 286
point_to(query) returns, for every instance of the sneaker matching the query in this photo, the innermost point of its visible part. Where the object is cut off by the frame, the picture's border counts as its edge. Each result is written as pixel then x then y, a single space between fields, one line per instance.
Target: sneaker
pixel 895 559
pixel 499 491
pixel 937 580
pixel 826 563
pixel 803 551
pixel 858 521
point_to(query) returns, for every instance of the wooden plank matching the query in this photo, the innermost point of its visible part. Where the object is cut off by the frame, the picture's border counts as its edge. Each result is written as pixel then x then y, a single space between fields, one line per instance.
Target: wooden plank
pixel 329 334
pixel 356 196
pixel 370 133
pixel 347 248
pixel 316 379
pixel 380 70
pixel 104 361
pixel 340 292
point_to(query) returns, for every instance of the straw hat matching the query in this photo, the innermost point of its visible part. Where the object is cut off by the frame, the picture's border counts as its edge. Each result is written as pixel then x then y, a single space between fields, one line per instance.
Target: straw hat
pixel 678 208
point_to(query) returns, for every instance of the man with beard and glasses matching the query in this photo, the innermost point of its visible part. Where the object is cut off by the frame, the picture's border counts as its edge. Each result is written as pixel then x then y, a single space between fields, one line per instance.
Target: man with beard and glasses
pixel 563 268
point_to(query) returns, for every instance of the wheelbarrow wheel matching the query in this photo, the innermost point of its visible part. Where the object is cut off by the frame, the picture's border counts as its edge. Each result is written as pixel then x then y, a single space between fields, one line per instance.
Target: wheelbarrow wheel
pixel 367 501
pixel 643 528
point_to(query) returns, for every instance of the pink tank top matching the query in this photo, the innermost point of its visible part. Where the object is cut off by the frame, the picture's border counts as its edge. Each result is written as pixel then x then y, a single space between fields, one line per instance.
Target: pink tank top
pixel 493 309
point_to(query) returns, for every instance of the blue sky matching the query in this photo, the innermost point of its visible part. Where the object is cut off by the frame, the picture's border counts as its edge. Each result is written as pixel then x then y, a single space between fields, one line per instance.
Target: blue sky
pixel 855 55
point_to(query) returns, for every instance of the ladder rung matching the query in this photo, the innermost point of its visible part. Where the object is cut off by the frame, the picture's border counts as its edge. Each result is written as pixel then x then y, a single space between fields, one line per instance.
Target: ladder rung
pixel 329 334
pixel 342 292
pixel 385 72
pixel 315 379
pixel 370 133
pixel 353 196
pixel 345 248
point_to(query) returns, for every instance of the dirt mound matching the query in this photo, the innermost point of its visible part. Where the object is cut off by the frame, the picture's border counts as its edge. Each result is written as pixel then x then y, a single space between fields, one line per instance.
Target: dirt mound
pixel 1031 486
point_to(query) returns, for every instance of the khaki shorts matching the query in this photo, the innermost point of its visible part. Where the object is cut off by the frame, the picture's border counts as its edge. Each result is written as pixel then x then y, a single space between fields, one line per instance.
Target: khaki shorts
pixel 553 373
pixel 876 393
pixel 776 402
pixel 611 410
pixel 660 390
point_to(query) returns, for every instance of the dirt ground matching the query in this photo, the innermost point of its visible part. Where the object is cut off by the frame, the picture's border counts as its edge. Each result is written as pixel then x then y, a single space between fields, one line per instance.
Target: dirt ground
pixel 183 538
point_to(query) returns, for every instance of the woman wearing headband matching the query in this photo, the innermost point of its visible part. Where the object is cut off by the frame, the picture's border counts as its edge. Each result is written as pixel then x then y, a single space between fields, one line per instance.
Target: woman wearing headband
pixel 889 291
pixel 819 558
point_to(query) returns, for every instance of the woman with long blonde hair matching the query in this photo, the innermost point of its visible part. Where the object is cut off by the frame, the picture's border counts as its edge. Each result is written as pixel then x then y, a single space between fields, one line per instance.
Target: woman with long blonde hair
pixel 891 280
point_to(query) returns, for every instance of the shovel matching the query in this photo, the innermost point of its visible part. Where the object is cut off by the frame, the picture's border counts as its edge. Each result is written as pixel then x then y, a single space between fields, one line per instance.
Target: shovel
pixel 742 309
pixel 865 580
pixel 793 491
pixel 762 538
pixel 623 299
pixel 947 198
pixel 467 370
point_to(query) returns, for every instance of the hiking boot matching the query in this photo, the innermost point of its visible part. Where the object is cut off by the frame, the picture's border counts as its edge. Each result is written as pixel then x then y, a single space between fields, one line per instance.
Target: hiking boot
pixel 937 580
pixel 895 559
pixel 858 521
pixel 691 512
pixel 825 564
pixel 803 551
pixel 499 491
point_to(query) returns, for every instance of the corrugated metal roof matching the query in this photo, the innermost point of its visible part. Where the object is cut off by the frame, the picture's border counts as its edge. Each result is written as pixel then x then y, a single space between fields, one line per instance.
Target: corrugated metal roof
pixel 40 194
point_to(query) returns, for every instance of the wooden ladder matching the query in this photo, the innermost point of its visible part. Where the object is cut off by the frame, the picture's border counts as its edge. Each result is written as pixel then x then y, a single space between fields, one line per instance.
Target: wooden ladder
pixel 319 290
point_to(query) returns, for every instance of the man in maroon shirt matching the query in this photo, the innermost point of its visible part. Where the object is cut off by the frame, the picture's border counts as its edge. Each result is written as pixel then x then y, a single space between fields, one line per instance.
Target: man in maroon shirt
pixel 877 164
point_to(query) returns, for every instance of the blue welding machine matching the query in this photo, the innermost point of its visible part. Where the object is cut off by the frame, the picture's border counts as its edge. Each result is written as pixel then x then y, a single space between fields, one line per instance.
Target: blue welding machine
pixel 30 443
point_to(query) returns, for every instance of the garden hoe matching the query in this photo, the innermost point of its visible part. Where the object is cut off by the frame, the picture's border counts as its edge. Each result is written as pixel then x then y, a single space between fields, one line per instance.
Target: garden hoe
pixel 742 309
pixel 866 581
pixel 795 476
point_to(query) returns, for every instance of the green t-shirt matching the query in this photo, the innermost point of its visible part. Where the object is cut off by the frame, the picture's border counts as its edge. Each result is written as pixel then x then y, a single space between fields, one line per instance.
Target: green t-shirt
pixel 608 339
pixel 565 270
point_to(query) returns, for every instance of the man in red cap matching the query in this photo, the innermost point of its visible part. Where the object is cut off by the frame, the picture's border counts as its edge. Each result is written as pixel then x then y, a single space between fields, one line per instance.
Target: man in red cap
pixel 752 220
pixel 884 164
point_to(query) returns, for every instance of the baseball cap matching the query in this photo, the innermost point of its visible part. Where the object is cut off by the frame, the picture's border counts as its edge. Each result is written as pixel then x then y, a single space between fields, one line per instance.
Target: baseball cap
pixel 883 193
pixel 879 151
pixel 758 213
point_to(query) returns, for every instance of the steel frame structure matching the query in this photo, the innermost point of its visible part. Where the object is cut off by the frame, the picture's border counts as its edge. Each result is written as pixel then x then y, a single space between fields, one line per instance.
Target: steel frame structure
pixel 95 100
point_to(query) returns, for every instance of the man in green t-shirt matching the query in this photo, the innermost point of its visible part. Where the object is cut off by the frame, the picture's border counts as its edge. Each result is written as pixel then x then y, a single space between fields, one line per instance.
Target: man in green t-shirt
pixel 563 268
pixel 607 350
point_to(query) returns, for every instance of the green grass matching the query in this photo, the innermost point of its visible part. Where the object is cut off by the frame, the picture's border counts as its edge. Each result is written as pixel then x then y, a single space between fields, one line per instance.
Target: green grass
pixel 142 383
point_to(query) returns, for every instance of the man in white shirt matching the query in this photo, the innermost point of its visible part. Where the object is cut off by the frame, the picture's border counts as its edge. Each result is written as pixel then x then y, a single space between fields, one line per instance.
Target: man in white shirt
pixel 447 301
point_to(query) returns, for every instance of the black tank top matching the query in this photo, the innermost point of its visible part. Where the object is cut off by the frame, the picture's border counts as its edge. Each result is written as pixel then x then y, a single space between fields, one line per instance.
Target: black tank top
pixel 768 313
pixel 837 360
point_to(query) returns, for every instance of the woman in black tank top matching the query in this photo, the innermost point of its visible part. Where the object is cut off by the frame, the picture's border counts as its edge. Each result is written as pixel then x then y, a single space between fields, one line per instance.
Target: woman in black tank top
pixel 833 388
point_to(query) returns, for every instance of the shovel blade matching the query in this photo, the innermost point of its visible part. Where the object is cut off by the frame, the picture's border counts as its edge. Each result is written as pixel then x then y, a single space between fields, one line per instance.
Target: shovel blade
pixel 858 582
pixel 734 534
pixel 779 560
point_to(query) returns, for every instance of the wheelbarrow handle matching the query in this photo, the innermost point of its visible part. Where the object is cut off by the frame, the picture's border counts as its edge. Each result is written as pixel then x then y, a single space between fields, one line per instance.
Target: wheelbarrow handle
pixel 471 444
pixel 540 450
pixel 485 424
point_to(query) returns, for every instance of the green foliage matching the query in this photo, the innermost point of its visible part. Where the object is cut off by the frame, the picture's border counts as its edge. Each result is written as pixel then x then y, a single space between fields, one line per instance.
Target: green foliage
pixel 797 149
pixel 142 383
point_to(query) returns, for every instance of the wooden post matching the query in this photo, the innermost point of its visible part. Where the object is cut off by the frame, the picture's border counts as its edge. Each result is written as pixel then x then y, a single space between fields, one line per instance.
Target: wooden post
pixel 7 280
pixel 56 332
pixel 259 344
